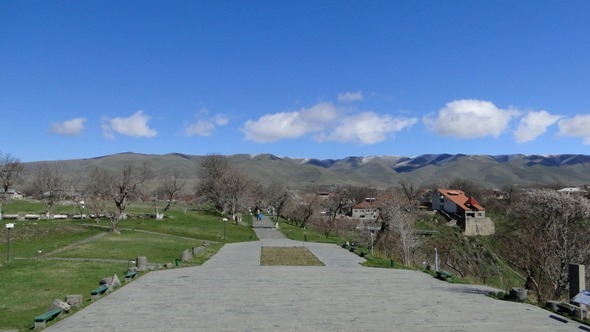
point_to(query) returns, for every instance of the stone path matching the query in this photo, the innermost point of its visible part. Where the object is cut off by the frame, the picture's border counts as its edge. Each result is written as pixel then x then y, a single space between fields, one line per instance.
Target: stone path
pixel 232 292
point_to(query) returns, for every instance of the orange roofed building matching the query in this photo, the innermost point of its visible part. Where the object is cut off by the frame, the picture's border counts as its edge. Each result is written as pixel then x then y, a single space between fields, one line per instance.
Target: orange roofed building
pixel 464 210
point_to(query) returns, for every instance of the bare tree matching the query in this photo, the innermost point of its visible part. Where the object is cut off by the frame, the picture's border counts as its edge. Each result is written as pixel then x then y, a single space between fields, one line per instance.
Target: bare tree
pixel 234 188
pixel 119 187
pixel 96 192
pixel 211 170
pixel 50 184
pixel 339 202
pixel 225 186
pixel 169 189
pixel 470 188
pixel 359 194
pixel 11 170
pixel 303 210
pixel 396 216
pixel 278 197
pixel 411 192
pixel 549 231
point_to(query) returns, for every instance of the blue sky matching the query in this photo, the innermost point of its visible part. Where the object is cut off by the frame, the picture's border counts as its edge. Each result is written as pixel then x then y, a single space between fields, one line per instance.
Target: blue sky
pixel 321 79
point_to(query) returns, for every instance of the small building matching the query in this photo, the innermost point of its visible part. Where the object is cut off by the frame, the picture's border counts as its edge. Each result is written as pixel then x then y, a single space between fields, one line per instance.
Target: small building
pixel 573 191
pixel 11 194
pixel 366 210
pixel 466 211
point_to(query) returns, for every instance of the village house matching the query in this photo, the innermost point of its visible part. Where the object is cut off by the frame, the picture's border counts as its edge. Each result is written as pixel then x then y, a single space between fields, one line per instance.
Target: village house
pixel 366 210
pixel 464 210
pixel 11 194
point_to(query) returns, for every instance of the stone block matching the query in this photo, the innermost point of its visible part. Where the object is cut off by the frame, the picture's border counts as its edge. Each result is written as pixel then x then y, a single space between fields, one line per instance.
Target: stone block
pixel 142 263
pixel 186 256
pixel 74 300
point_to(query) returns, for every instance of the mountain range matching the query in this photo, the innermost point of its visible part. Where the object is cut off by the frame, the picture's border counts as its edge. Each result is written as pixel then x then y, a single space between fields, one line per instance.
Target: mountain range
pixel 375 171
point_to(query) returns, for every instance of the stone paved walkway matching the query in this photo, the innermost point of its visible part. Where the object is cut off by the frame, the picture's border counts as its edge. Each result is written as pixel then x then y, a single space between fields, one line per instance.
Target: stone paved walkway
pixel 232 292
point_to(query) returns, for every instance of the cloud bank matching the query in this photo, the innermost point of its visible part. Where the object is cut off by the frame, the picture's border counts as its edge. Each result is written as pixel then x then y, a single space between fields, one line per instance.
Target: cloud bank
pixel 325 122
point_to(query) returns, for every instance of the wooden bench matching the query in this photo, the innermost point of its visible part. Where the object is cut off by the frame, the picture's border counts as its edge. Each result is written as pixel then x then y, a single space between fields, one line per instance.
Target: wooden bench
pixel 95 293
pixel 41 320
pixel 130 275
pixel 443 275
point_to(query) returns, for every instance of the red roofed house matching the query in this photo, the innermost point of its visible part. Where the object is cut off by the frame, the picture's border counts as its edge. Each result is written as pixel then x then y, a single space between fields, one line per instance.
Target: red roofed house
pixel 365 210
pixel 465 210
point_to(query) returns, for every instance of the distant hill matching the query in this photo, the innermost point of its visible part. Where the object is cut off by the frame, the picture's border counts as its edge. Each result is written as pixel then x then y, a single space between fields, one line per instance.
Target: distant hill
pixel 378 171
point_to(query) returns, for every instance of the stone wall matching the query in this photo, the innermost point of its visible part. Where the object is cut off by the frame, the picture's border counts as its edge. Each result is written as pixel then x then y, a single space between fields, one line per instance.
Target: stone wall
pixel 479 226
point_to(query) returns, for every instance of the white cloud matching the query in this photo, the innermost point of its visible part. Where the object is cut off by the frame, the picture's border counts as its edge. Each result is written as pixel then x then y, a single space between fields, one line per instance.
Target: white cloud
pixel 277 126
pixel 533 125
pixel 136 126
pixel 327 123
pixel 470 118
pixel 578 126
pixel 205 125
pixel 367 128
pixel 350 96
pixel 71 127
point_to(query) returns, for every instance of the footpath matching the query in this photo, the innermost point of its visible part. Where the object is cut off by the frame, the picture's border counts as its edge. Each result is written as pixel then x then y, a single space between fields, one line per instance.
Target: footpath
pixel 232 292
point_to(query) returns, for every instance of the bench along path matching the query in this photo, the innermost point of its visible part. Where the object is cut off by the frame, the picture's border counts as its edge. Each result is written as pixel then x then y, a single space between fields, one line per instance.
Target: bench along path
pixel 232 292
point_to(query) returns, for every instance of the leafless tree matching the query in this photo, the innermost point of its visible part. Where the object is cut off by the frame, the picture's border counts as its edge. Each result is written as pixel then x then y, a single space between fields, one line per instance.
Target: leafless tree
pixel 304 209
pixel 359 194
pixel 119 187
pixel 397 217
pixel 225 186
pixel 339 202
pixel 234 192
pixel 278 197
pixel 50 184
pixel 97 197
pixel 550 230
pixel 169 189
pixel 11 170
pixel 470 188
pixel 410 191
pixel 211 170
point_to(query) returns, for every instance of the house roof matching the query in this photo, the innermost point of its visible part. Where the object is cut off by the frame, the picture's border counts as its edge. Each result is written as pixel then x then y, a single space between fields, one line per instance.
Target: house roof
pixel 572 190
pixel 463 201
pixel 365 205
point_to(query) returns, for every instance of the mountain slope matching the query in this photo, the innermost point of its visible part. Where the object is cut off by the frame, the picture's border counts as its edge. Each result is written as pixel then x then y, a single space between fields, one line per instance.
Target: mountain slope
pixel 378 171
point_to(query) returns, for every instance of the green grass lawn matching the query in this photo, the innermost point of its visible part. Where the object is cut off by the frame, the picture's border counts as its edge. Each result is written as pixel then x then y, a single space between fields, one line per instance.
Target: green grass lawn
pixel 30 237
pixel 191 224
pixel 27 287
pixel 127 245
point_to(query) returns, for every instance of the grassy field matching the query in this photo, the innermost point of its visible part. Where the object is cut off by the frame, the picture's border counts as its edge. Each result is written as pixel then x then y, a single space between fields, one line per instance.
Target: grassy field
pixel 284 256
pixel 50 259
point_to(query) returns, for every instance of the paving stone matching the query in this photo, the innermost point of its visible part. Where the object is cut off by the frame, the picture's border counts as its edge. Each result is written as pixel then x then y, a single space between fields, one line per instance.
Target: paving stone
pixel 232 292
